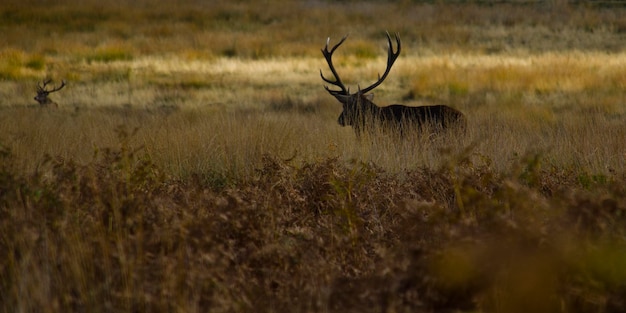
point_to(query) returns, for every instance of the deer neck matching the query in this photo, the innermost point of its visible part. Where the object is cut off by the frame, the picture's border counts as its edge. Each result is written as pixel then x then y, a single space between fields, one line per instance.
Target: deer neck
pixel 367 106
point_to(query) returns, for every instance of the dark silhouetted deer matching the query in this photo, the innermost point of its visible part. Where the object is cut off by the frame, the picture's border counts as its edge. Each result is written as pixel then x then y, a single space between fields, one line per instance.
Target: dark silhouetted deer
pixel 362 114
pixel 42 94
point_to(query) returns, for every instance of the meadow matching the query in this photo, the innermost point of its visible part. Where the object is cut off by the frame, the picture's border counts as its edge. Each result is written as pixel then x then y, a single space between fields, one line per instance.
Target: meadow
pixel 195 162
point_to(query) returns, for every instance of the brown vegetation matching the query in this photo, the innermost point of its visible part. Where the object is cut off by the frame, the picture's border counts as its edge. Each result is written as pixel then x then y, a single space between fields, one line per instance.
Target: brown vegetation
pixel 118 235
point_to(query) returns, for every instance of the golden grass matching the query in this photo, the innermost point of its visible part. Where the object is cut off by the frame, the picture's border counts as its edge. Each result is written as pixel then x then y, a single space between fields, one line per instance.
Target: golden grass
pixel 554 104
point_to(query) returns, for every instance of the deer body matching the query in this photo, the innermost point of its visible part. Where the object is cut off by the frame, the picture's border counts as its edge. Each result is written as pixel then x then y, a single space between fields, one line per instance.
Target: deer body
pixel 360 112
pixel 363 114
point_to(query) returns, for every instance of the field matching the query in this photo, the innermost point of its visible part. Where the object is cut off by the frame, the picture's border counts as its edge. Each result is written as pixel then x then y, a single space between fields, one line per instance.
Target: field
pixel 195 162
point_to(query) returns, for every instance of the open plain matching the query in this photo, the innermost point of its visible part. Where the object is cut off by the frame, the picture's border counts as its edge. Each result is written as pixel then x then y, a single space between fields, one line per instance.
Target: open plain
pixel 195 163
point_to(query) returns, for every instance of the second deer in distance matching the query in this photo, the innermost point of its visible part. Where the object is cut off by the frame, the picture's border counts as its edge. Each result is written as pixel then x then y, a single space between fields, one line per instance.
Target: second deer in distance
pixel 362 114
pixel 42 94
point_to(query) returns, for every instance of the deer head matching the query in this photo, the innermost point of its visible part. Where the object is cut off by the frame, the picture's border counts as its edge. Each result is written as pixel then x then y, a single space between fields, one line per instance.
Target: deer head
pixel 357 107
pixel 42 93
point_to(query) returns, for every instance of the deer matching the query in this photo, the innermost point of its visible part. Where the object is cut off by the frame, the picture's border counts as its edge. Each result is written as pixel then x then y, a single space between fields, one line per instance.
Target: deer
pixel 360 112
pixel 42 93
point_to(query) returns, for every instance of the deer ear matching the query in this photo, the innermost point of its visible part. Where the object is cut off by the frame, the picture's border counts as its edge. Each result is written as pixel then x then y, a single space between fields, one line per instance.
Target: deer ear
pixel 343 98
pixel 369 96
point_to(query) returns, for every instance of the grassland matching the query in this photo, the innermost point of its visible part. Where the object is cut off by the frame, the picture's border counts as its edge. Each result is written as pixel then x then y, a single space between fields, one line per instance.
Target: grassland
pixel 195 162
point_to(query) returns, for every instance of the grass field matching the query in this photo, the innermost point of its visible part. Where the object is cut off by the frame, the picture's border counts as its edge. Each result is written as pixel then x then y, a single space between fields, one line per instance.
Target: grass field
pixel 195 162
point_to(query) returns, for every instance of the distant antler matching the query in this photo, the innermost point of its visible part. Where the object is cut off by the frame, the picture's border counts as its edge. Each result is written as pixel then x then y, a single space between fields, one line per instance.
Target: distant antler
pixel 329 56
pixel 42 88
pixel 391 58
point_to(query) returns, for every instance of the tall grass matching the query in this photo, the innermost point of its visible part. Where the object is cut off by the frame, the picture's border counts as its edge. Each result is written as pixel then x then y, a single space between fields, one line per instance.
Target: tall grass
pixel 238 110
pixel 115 234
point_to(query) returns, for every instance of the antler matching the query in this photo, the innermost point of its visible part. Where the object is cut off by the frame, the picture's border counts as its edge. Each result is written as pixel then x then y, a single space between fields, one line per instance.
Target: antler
pixel 329 55
pixel 59 88
pixel 42 88
pixel 391 58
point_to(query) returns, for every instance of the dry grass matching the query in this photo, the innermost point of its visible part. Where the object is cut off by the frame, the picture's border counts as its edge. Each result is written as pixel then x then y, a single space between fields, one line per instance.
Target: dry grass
pixel 567 107
pixel 328 236
pixel 195 162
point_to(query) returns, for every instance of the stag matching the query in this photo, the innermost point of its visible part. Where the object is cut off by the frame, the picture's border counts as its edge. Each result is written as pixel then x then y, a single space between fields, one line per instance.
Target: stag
pixel 362 114
pixel 42 93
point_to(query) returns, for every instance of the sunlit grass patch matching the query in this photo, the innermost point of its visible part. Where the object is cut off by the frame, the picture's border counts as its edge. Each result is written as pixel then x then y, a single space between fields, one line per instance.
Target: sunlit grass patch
pixel 17 64
pixel 11 63
pixel 36 62
pixel 110 53
pixel 536 74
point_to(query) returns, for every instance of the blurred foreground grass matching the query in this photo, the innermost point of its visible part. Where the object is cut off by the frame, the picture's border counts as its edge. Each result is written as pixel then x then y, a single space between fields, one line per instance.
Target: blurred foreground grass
pixel 117 234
